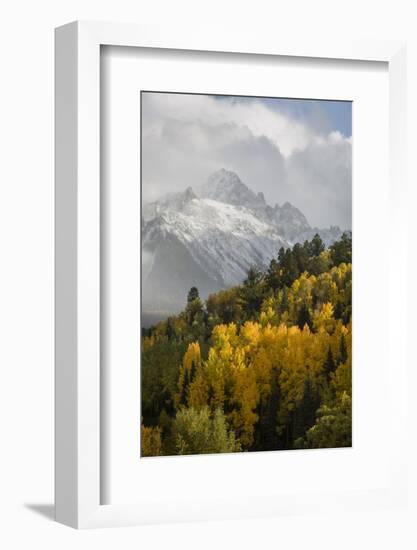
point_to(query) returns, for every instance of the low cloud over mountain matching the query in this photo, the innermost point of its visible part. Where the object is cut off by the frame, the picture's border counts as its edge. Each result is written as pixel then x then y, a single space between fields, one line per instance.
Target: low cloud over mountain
pixel 286 149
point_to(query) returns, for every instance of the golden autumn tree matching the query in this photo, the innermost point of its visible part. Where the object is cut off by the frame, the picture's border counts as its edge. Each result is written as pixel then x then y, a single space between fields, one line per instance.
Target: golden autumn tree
pixel 151 444
pixel 190 366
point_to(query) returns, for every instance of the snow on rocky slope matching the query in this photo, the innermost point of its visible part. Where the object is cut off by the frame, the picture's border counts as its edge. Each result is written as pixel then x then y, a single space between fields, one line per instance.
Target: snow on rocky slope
pixel 209 237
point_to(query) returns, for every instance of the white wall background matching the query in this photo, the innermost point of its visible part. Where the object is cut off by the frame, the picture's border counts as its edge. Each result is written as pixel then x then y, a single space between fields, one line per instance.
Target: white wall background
pixel 26 269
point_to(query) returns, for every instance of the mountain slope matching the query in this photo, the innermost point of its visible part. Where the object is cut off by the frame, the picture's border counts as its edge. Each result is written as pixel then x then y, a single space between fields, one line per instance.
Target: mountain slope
pixel 210 237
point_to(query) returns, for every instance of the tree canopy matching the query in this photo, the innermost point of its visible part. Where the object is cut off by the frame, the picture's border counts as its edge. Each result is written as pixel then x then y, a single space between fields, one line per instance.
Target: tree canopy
pixel 260 366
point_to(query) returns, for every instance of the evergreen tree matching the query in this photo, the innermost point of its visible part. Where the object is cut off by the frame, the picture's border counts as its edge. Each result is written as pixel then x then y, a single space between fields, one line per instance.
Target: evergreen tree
pixel 304 317
pixel 194 312
pixel 169 328
pixel 318 264
pixel 301 256
pixel 305 414
pixel 283 303
pixel 184 389
pixel 281 255
pixel 338 310
pixel 193 370
pixel 333 427
pixel 252 292
pixel 317 245
pixel 289 268
pixel 341 250
pixel 193 294
pixel 273 276
pixel 266 432
pixel 329 365
pixel 343 355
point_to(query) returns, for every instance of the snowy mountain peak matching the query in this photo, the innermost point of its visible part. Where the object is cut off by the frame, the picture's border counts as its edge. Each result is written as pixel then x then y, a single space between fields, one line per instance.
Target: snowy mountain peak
pixel 226 186
pixel 171 201
pixel 178 200
pixel 288 215
pixel 189 194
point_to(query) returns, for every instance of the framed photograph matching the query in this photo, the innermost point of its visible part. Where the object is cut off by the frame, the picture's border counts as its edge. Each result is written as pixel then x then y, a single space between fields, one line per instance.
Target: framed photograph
pixel 229 335
pixel 246 307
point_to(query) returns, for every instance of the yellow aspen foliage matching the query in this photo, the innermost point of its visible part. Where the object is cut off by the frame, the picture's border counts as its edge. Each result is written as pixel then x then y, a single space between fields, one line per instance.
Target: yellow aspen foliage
pixel 198 395
pixel 300 294
pixel 262 365
pixel 268 315
pixel 246 397
pixel 341 273
pixel 192 356
pixel 191 364
pixel 250 333
pixel 325 289
pixel 148 342
pixel 238 373
pixel 323 318
pixel 151 444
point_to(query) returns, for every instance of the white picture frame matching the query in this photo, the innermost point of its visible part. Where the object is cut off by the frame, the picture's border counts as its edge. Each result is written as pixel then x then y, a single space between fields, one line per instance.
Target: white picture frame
pixel 77 242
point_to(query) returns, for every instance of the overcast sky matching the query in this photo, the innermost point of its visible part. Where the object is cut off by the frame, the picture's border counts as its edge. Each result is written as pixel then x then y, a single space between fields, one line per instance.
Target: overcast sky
pixel 292 150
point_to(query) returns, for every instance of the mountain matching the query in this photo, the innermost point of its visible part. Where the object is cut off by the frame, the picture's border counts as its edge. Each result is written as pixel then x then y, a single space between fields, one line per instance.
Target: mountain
pixel 209 237
pixel 225 186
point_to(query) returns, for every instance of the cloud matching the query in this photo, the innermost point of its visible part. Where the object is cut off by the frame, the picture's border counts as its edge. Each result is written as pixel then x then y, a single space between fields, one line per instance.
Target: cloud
pixel 320 178
pixel 287 157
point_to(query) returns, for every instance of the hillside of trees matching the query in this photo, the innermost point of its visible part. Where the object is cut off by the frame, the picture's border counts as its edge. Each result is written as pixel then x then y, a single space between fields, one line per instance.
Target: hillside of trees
pixel 266 365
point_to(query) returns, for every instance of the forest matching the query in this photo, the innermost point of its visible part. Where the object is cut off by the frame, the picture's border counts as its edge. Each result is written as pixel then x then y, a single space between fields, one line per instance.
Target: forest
pixel 266 365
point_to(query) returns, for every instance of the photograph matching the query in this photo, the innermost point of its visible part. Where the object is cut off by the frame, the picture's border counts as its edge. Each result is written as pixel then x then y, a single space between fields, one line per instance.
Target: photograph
pixel 246 274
